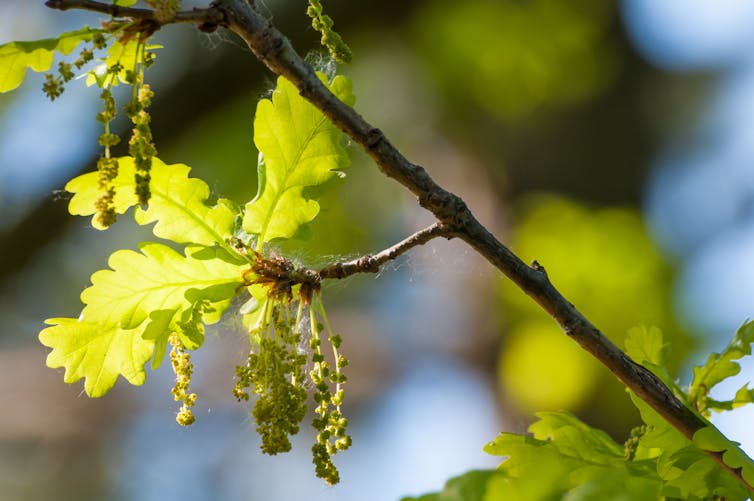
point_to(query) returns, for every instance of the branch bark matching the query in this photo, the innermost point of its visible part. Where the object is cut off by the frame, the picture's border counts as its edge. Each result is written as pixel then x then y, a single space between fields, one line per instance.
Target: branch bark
pixel 454 217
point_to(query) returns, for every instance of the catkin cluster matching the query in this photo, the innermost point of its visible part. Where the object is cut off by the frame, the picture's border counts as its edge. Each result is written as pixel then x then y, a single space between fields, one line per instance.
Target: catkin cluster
pixel 276 373
pixel 107 75
pixel 330 38
pixel 183 369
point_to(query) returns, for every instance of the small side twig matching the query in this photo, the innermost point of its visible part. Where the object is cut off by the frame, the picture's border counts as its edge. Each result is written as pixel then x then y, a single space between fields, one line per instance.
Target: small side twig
pixel 371 263
pixel 280 275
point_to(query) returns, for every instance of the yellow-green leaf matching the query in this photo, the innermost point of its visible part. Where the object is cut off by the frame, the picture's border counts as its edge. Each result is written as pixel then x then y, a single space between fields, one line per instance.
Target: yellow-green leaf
pixel 711 439
pixel 720 366
pixel 16 57
pixel 131 309
pixel 178 204
pixel 299 148
pixel 97 352
pixel 157 278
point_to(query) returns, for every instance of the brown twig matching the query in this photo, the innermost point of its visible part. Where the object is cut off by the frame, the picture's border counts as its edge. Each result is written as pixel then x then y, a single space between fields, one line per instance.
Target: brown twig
pixel 276 52
pixel 280 274
pixel 371 263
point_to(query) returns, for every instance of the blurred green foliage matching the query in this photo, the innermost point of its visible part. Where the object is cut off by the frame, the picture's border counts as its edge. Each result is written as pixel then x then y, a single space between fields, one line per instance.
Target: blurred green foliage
pixel 604 262
pixel 512 58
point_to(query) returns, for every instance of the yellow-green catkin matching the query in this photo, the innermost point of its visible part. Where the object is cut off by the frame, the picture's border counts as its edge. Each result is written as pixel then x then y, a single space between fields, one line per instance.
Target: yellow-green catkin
pixel 323 23
pixel 331 425
pixel 183 369
pixel 140 145
pixel 107 167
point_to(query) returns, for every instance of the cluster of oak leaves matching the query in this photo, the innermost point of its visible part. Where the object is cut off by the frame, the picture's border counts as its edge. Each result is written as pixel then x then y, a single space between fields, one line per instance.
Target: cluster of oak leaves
pixel 287 361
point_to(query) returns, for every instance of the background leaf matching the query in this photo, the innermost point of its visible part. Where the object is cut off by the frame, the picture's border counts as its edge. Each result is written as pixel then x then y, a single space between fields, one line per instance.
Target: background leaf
pixel 299 148
pixel 16 57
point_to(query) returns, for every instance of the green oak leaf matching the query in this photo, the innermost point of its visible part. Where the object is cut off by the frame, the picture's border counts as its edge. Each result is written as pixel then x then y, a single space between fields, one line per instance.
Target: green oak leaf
pixel 97 352
pixel 132 308
pixel 567 459
pixel 157 278
pixel 679 463
pixel 711 439
pixel 660 437
pixel 158 328
pixel 564 428
pixel 299 148
pixel 470 486
pixel 689 473
pixel 178 203
pixel 720 366
pixel 38 55
pixel 647 347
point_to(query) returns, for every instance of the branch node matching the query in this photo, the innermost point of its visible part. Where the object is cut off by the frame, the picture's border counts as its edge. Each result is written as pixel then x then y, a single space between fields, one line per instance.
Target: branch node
pixel 207 27
pixel 368 264
pixel 374 136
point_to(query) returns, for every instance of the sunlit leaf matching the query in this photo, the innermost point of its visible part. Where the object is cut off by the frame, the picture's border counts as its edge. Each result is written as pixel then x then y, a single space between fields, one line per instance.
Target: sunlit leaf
pixel 299 148
pixel 681 462
pixel 97 352
pixel 647 347
pixel 178 203
pixel 721 366
pixel 157 278
pixel 567 459
pixel 16 57
pixel 660 435
pixel 131 309
pixel 470 486
pixel 711 439
pixel 691 474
